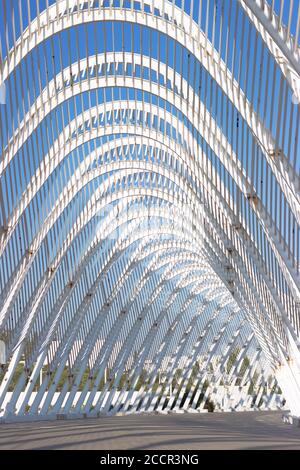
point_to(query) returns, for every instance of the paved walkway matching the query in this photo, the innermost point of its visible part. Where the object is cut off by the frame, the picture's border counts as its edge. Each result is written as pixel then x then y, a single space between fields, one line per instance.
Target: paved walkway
pixel 252 430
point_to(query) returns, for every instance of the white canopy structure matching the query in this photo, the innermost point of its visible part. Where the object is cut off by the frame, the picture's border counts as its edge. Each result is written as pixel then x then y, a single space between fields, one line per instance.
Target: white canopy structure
pixel 149 206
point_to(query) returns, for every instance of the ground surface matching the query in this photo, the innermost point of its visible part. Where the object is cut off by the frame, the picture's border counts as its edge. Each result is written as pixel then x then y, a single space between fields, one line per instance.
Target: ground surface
pixel 252 430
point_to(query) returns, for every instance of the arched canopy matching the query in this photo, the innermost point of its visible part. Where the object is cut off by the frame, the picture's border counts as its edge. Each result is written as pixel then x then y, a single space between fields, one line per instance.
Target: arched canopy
pixel 149 205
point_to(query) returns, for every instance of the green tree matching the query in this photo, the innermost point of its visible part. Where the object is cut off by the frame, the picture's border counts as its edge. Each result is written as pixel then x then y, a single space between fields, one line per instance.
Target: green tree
pixel 253 384
pixel 64 376
pixel 142 380
pixel 232 360
pixel 18 371
pixel 84 378
pixel 176 378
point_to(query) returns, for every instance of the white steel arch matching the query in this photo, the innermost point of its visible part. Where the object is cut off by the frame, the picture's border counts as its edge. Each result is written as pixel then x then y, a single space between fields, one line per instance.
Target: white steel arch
pixel 149 206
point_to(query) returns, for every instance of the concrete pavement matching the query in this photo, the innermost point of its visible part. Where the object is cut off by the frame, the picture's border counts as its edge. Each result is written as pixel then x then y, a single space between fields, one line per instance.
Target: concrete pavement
pixel 247 430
